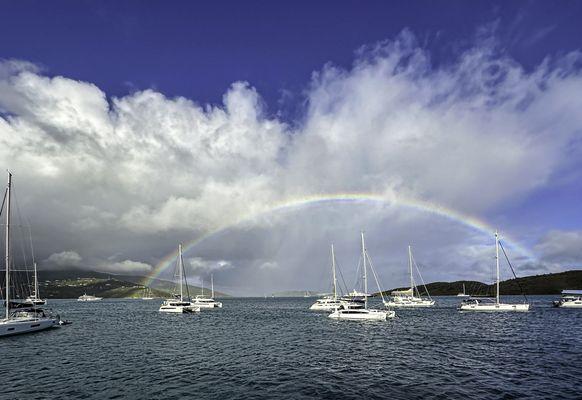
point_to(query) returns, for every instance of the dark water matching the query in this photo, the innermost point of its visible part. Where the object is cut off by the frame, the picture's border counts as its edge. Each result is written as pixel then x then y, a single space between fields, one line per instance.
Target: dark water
pixel 276 348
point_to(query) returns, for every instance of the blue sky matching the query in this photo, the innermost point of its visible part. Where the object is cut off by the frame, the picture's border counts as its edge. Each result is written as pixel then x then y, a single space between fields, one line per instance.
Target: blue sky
pixel 147 123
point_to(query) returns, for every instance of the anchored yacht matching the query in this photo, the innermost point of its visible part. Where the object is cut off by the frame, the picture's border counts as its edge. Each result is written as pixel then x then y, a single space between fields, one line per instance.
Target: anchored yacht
pixel 205 301
pixel 88 297
pixel 179 303
pixel 34 299
pixel 493 305
pixel 328 303
pixel 354 311
pixel 410 298
pixel 570 299
pixel 20 317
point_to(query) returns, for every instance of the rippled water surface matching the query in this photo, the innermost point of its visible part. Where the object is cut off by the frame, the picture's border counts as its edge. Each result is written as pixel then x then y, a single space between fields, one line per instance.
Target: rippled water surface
pixel 276 348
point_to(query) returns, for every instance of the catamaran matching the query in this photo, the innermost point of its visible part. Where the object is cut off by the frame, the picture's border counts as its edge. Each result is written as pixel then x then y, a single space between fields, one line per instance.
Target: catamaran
pixel 493 305
pixel 328 303
pixel 205 301
pixel 463 294
pixel 410 298
pixel 179 303
pixel 570 299
pixel 34 299
pixel 20 317
pixel 351 311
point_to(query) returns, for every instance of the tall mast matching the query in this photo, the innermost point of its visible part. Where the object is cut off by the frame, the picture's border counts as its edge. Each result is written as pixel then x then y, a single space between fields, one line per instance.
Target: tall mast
pixel 180 266
pixel 410 267
pixel 36 296
pixel 365 274
pixel 333 273
pixel 7 250
pixel 497 264
pixel 212 284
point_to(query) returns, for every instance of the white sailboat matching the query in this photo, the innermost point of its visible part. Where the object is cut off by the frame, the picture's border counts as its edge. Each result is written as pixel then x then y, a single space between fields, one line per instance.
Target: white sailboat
pixel 20 318
pixel 463 294
pixel 408 298
pixel 34 298
pixel 492 305
pixel 328 303
pixel 570 299
pixel 180 303
pixel 350 311
pixel 147 294
pixel 205 301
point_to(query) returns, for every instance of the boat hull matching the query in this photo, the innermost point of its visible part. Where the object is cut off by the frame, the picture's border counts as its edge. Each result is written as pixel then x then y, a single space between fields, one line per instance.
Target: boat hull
pixel 569 304
pixel 494 307
pixel 419 304
pixel 28 325
pixel 362 315
pixel 209 305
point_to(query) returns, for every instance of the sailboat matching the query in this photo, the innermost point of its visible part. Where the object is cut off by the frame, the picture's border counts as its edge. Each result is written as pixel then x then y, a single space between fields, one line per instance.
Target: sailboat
pixel 34 298
pixel 328 303
pixel 463 294
pixel 20 317
pixel 147 294
pixel 349 311
pixel 179 303
pixel 205 301
pixel 493 305
pixel 409 298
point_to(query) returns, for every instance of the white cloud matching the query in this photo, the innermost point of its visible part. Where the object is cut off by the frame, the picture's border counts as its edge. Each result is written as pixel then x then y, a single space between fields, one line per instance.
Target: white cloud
pixel 65 259
pixel 126 267
pixel 202 267
pixel 561 247
pixel 135 173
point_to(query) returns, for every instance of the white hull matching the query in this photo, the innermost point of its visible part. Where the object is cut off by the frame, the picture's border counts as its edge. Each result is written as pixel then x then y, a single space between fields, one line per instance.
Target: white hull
pixel 326 307
pixel 179 309
pixel 463 295
pixel 34 301
pixel 571 304
pixel 25 325
pixel 362 314
pixel 147 298
pixel 409 304
pixel 215 304
pixel 494 307
pixel 89 298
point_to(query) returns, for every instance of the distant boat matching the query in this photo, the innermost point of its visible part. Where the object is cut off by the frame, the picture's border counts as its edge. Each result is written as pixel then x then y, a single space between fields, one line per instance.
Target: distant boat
pixel 20 317
pixel 492 305
pixel 88 297
pixel 352 311
pixel 205 301
pixel 463 294
pixel 179 303
pixel 147 294
pixel 409 298
pixel 328 303
pixel 570 299
pixel 34 298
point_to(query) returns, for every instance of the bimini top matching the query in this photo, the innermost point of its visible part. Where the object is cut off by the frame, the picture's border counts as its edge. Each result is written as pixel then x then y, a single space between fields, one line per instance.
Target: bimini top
pixel 572 292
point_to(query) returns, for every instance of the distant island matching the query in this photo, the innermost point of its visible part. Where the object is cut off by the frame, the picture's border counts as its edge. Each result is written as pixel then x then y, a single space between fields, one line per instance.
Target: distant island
pixel 70 284
pixel 533 285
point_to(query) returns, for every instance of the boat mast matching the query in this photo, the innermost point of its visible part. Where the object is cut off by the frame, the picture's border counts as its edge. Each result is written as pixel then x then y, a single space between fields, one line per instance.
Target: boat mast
pixel 180 266
pixel 36 296
pixel 333 273
pixel 410 267
pixel 497 264
pixel 212 284
pixel 365 275
pixel 7 250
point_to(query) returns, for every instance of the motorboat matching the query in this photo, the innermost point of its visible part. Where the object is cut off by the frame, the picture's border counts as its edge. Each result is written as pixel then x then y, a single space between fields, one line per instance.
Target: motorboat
pixel 19 317
pixel 570 299
pixel 88 297
pixel 180 303
pixel 493 305
pixel 354 311
pixel 410 298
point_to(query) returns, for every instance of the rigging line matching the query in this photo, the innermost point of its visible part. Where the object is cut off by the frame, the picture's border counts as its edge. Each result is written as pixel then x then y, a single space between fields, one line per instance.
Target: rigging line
pixel 3 201
pixel 21 233
pixel 337 267
pixel 185 279
pixel 375 277
pixel 512 270
pixel 358 280
pixel 421 279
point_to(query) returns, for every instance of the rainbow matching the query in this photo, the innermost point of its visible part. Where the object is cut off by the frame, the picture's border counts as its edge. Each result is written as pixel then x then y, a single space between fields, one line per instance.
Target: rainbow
pixel 293 204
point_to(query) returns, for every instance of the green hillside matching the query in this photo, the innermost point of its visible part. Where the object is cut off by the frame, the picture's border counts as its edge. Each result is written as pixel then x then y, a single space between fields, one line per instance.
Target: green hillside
pixel 536 284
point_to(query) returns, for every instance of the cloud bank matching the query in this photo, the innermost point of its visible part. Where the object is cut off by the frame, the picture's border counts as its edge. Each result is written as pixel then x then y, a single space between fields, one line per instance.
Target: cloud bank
pixel 128 177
